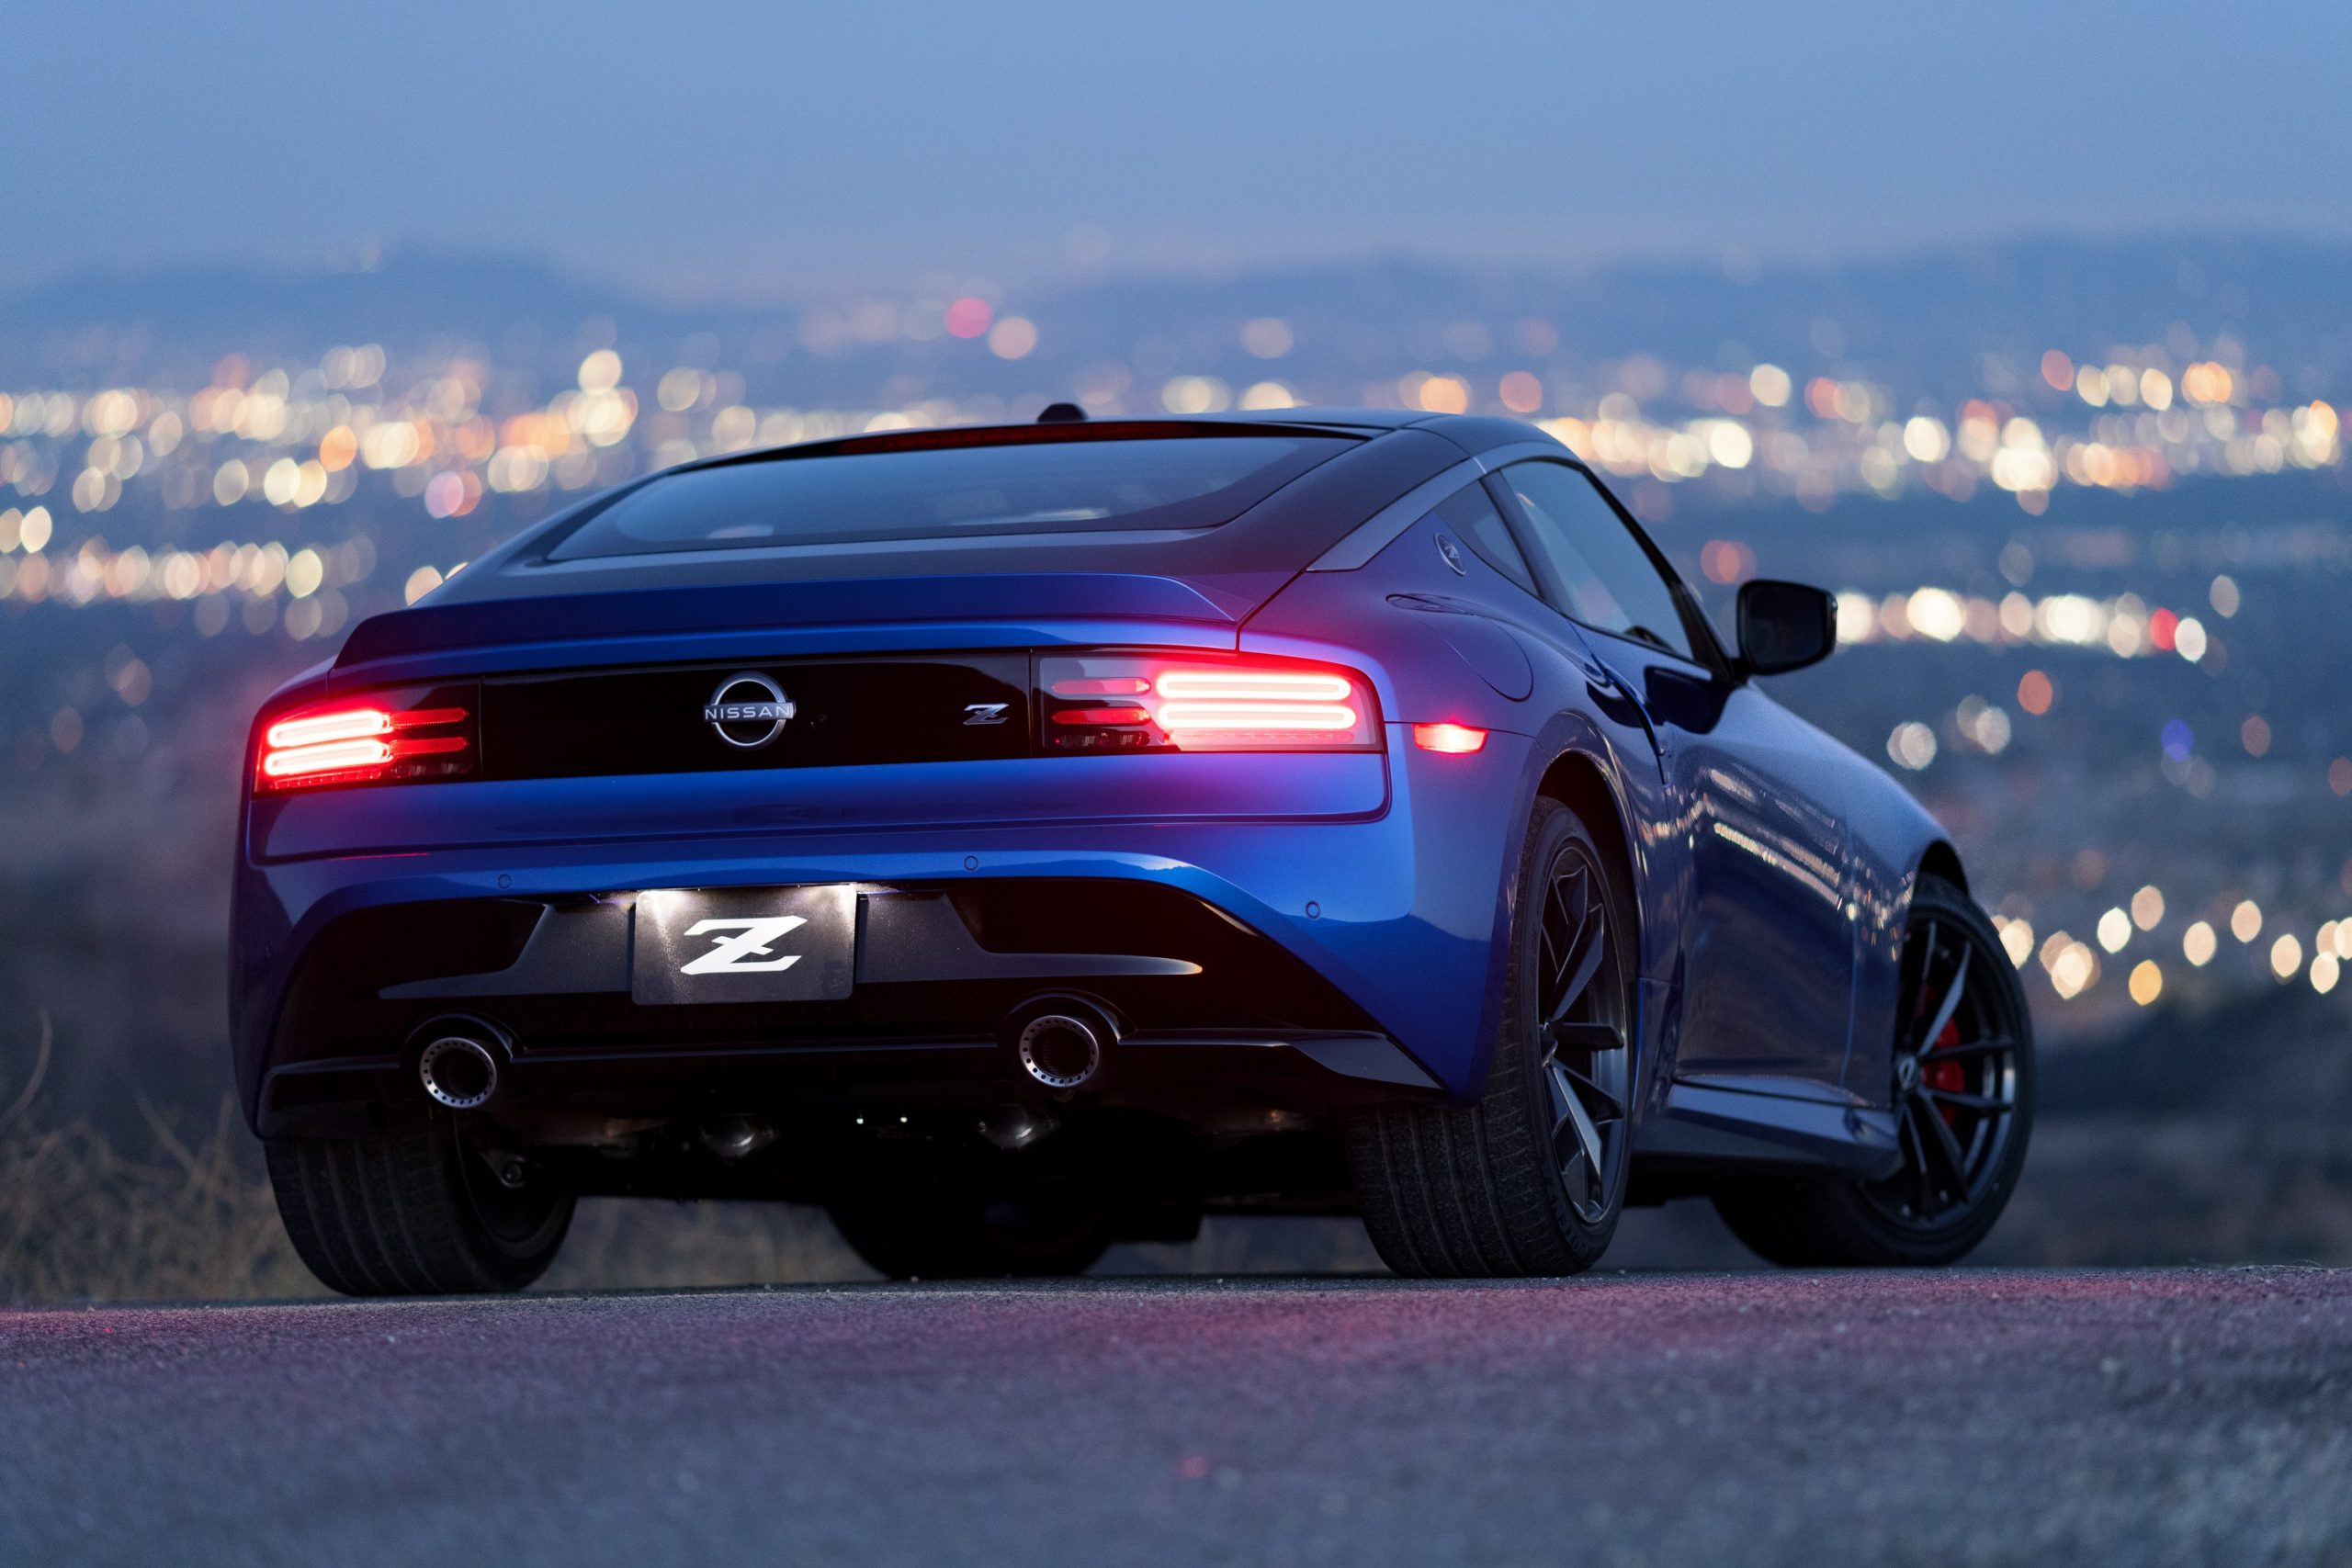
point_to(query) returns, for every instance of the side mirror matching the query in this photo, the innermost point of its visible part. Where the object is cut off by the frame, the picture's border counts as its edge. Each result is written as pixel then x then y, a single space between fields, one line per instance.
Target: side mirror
pixel 1784 626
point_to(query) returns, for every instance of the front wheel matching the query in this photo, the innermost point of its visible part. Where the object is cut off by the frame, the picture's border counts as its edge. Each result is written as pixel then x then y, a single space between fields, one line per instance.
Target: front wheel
pixel 420 1212
pixel 1961 1089
pixel 1528 1180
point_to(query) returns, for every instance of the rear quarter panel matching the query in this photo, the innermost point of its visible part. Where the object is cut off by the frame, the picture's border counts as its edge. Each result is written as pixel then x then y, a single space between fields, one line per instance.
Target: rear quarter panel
pixel 1473 648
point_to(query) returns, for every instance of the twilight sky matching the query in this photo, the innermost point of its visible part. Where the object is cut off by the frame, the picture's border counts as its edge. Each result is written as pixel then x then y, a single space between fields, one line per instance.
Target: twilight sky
pixel 737 146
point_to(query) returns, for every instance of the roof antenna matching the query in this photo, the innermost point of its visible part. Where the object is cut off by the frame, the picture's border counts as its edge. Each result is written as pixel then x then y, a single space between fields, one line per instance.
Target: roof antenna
pixel 1062 413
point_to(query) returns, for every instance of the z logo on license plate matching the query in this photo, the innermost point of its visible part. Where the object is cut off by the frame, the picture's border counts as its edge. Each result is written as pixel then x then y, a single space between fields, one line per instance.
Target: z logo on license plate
pixel 745 953
pixel 744 945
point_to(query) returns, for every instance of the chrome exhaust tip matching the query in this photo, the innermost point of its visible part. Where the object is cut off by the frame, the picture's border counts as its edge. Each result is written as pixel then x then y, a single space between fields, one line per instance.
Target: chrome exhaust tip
pixel 458 1071
pixel 1063 1050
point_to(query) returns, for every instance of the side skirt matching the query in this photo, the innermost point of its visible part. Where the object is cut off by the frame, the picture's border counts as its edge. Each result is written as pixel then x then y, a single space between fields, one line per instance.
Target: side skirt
pixel 1707 1128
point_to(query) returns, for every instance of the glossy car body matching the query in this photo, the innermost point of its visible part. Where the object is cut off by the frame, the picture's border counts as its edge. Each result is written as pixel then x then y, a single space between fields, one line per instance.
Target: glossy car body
pixel 1356 900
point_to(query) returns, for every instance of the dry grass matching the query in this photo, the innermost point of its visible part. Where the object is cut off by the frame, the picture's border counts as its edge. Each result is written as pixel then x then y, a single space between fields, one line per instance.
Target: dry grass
pixel 81 1220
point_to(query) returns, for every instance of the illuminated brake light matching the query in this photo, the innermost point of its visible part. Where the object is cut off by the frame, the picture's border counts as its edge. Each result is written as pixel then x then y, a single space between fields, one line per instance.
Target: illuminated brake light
pixel 1455 739
pixel 1184 718
pixel 1253 685
pixel 1121 702
pixel 329 757
pixel 312 729
pixel 366 743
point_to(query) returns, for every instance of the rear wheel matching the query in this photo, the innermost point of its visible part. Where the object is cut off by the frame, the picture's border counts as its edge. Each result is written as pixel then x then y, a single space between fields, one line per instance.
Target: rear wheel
pixel 911 1238
pixel 1530 1179
pixel 1962 1094
pixel 425 1211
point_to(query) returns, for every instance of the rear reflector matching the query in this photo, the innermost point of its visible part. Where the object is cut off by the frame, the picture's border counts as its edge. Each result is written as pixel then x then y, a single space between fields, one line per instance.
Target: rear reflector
pixel 1121 701
pixel 1450 737
pixel 390 738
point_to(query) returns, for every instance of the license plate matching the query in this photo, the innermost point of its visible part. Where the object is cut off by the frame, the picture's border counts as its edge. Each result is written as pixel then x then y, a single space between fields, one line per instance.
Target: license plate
pixel 744 944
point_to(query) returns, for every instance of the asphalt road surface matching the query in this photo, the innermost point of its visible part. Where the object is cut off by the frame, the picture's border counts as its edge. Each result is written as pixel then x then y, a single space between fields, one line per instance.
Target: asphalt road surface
pixel 1947 1419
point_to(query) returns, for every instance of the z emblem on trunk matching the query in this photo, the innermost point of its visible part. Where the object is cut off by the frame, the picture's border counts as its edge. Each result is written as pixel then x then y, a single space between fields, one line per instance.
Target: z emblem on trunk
pixel 985 713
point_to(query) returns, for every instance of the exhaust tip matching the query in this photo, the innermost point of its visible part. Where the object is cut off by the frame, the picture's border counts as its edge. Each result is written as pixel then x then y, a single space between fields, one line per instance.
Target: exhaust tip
pixel 458 1071
pixel 1062 1050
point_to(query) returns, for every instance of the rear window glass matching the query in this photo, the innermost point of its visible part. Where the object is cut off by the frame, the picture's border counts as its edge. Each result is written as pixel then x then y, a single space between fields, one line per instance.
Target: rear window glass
pixel 957 493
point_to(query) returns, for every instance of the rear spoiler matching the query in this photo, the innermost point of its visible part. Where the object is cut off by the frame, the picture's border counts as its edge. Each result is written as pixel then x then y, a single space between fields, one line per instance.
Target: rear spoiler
pixel 750 606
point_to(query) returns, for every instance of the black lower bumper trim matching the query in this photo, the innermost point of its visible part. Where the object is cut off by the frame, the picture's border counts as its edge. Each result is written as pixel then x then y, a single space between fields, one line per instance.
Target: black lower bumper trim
pixel 1309 1070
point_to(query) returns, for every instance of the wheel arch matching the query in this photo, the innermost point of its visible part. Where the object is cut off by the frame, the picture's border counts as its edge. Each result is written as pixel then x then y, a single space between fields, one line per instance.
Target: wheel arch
pixel 1940 860
pixel 1576 781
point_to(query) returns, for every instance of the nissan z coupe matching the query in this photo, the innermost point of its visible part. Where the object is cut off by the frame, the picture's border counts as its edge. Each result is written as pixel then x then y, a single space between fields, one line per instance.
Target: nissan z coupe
pixel 1023 839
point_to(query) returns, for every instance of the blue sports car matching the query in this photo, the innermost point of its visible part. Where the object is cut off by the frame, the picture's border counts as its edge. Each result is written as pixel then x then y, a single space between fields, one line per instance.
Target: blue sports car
pixel 1021 839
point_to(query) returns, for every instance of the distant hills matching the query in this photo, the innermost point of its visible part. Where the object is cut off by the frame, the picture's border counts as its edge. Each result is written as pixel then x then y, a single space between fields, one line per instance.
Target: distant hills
pixel 1925 323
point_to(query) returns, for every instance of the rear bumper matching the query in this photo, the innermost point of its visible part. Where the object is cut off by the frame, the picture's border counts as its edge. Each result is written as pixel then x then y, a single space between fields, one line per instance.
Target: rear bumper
pixel 1369 884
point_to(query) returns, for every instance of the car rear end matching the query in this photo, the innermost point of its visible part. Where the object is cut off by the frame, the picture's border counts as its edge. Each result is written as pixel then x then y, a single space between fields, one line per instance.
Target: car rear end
pixel 722 860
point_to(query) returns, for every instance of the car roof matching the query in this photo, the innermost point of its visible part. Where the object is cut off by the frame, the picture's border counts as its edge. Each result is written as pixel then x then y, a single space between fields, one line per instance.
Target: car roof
pixel 1474 433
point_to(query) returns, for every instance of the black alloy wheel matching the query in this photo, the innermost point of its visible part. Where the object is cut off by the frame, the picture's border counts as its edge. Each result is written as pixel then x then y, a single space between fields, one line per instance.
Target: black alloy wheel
pixel 1587 1063
pixel 1955 1075
pixel 1961 1088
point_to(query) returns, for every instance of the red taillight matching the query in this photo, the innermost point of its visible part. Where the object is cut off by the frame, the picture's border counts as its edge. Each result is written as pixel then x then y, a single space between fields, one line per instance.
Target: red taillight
pixel 379 741
pixel 1092 714
pixel 1117 702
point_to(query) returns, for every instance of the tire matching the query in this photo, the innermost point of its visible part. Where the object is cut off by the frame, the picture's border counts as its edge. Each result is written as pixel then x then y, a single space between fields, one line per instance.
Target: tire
pixel 1528 1180
pixel 419 1213
pixel 1934 1209
pixel 910 1237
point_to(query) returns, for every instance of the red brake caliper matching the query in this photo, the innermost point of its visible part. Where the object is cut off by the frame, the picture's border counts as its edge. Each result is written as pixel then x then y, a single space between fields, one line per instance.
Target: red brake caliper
pixel 1946 1073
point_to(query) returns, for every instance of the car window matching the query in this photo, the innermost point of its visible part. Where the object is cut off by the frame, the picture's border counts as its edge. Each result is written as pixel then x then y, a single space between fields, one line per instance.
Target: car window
pixel 1470 511
pixel 1599 573
pixel 1020 488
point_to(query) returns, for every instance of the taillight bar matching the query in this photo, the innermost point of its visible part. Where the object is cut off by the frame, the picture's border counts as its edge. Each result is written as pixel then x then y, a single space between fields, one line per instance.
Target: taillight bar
pixel 1138 702
pixel 382 737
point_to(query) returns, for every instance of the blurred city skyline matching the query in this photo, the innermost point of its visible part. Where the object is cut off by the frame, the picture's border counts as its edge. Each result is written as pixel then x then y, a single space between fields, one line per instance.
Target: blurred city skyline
pixel 735 150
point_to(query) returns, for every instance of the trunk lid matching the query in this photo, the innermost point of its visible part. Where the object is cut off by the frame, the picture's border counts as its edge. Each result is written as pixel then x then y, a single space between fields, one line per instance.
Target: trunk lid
pixel 1020 599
